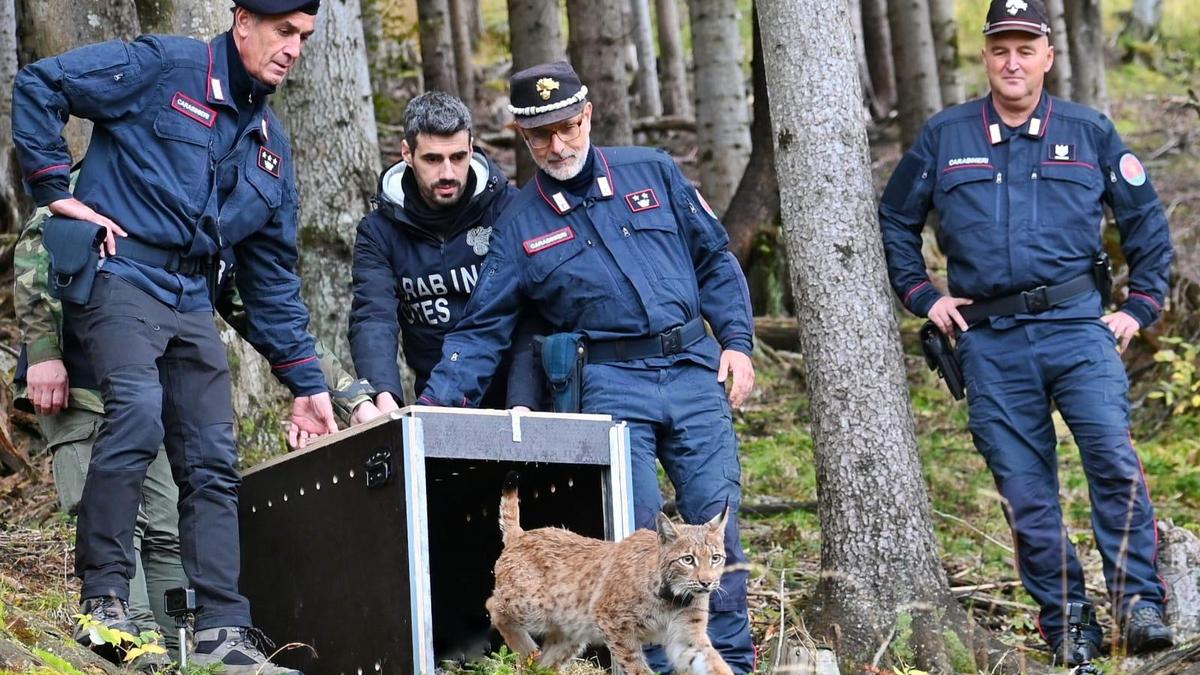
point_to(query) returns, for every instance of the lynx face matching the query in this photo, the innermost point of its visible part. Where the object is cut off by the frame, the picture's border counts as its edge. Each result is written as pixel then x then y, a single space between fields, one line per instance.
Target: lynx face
pixel 691 557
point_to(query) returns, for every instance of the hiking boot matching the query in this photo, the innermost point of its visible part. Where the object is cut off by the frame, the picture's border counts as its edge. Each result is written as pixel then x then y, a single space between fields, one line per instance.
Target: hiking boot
pixel 239 650
pixel 1145 632
pixel 112 613
pixel 1069 654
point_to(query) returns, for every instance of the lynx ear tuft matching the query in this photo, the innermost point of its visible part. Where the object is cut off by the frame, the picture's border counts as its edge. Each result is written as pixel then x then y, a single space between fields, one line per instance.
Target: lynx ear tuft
pixel 718 522
pixel 666 529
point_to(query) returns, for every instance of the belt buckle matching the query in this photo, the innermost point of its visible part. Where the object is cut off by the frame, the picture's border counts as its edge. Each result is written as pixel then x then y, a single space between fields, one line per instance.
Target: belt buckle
pixel 1036 299
pixel 672 341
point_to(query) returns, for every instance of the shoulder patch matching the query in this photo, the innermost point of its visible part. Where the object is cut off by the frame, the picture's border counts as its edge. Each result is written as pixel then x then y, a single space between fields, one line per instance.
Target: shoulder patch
pixel 549 240
pixel 642 200
pixel 704 203
pixel 1132 170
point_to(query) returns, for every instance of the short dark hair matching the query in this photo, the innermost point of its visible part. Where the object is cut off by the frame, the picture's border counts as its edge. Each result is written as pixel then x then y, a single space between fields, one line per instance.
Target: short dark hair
pixel 436 113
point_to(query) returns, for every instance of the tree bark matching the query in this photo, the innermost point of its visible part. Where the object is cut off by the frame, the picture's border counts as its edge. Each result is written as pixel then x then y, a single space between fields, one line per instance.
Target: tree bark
pixel 645 81
pixel 879 559
pixel 1085 34
pixel 336 172
pixel 916 66
pixel 597 49
pixel 1058 80
pixel 860 56
pixel 50 27
pixel 877 41
pixel 755 205
pixel 945 42
pixel 543 19
pixel 475 19
pixel 464 62
pixel 12 201
pixel 437 47
pixel 722 115
pixel 201 19
pixel 673 76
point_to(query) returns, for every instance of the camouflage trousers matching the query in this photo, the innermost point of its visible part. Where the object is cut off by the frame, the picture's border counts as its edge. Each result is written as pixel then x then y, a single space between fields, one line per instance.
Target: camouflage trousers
pixel 69 435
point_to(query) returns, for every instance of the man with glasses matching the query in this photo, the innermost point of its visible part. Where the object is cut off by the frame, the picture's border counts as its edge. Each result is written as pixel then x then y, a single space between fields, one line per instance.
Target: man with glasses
pixel 616 246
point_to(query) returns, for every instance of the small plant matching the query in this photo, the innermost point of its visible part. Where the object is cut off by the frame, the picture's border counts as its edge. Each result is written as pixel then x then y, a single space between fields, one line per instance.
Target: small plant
pixel 56 663
pixel 132 646
pixel 1181 390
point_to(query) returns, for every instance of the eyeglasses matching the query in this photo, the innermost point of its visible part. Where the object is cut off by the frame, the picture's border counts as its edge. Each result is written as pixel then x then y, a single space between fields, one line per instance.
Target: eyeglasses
pixel 541 137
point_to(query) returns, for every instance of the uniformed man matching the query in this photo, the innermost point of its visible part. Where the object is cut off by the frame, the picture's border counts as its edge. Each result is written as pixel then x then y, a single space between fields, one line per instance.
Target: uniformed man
pixel 615 244
pixel 54 380
pixel 1020 179
pixel 418 254
pixel 186 159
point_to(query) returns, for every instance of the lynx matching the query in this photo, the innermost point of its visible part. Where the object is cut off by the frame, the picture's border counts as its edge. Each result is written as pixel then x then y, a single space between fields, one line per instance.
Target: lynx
pixel 652 587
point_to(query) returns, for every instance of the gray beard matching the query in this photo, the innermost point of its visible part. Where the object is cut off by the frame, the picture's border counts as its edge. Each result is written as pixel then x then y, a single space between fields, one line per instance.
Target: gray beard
pixel 569 172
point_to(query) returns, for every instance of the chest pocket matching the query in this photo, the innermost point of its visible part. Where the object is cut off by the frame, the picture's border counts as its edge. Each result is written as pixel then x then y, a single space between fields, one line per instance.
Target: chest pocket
pixel 1069 195
pixel 968 198
pixel 180 160
pixel 654 237
pixel 568 277
pixel 269 187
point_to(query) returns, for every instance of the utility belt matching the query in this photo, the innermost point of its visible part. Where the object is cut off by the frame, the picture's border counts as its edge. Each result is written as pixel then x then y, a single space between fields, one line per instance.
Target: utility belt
pixel 74 248
pixel 939 353
pixel 563 356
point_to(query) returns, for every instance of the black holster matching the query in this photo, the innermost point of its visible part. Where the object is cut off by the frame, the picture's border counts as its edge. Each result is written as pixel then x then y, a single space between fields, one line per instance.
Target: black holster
pixel 940 357
pixel 563 356
pixel 1102 275
pixel 74 248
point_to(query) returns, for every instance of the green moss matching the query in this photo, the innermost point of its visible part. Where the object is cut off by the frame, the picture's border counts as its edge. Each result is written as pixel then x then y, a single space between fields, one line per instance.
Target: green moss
pixel 961 658
pixel 902 642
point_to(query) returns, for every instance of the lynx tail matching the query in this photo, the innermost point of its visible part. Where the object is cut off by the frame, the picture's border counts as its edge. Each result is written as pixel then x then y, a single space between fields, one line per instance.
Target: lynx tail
pixel 510 509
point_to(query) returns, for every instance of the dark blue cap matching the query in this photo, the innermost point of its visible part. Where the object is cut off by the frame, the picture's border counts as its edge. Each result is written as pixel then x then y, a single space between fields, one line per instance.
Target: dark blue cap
pixel 1026 16
pixel 268 7
pixel 545 94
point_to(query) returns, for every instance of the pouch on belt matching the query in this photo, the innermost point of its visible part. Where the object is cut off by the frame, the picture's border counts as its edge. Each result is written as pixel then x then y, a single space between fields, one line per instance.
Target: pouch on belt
pixel 562 356
pixel 74 248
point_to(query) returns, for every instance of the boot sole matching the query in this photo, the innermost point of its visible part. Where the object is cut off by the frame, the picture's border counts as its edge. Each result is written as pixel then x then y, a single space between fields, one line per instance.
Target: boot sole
pixel 1153 645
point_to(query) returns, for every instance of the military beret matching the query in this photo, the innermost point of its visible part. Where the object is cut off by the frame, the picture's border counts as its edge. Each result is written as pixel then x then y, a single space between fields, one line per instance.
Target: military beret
pixel 545 94
pixel 268 7
pixel 1028 16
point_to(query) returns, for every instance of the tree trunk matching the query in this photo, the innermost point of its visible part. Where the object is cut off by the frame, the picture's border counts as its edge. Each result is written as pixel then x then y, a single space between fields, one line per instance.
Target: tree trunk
pixel 1058 80
pixel 880 566
pixel 916 66
pixel 1085 33
pixel 540 18
pixel 437 47
pixel 673 77
pixel 877 41
pixel 201 19
pixel 649 101
pixel 50 27
pixel 12 201
pixel 1141 31
pixel 945 41
pixel 860 57
pixel 475 19
pixel 597 49
pixel 464 62
pixel 755 205
pixel 722 115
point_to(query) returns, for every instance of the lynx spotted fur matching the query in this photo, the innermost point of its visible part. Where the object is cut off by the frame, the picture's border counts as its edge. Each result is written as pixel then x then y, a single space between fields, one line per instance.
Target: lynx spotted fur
pixel 652 587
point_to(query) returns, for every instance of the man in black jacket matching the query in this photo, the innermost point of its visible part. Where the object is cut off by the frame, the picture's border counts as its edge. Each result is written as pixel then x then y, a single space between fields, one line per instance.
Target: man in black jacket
pixel 417 256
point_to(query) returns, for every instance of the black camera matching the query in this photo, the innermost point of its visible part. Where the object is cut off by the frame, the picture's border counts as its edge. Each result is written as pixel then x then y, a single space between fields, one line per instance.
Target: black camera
pixel 180 601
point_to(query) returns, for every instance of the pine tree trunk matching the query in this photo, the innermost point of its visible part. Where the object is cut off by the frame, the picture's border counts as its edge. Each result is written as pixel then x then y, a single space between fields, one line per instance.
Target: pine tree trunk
pixel 755 205
pixel 597 49
pixel 879 559
pixel 916 66
pixel 1141 29
pixel 437 47
pixel 12 201
pixel 722 115
pixel 860 56
pixel 1085 33
pixel 464 62
pixel 201 19
pixel 1058 80
pixel 543 19
pixel 877 41
pixel 645 81
pixel 945 41
pixel 673 77
pixel 336 172
pixel 475 20
pixel 50 27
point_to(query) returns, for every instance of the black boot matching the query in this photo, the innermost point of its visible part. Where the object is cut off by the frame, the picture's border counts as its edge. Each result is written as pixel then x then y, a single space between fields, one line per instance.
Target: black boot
pixel 1145 632
pixel 112 613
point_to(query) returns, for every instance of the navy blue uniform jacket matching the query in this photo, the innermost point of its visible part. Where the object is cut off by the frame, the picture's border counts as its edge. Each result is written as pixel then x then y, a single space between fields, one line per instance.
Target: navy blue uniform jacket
pixel 166 136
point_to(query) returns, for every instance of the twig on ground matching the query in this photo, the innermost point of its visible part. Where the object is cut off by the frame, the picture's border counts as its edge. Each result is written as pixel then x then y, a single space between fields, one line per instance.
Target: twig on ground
pixel 978 531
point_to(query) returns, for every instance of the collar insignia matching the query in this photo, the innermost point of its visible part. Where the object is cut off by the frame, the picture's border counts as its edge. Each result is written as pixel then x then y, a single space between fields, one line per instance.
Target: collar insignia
pixel 546 86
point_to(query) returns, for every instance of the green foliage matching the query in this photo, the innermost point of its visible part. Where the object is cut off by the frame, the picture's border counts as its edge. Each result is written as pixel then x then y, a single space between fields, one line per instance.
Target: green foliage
pixel 507 662
pixel 961 658
pixel 133 646
pixel 55 663
pixel 902 643
pixel 1180 392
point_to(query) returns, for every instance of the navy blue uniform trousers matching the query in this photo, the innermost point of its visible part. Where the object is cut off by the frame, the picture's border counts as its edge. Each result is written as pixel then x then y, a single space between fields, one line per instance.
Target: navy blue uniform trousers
pixel 1012 376
pixel 165 380
pixel 680 416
